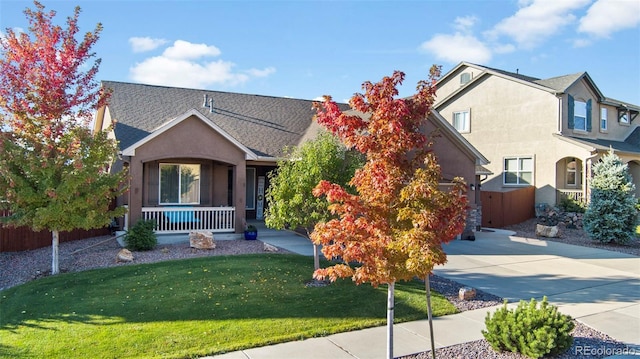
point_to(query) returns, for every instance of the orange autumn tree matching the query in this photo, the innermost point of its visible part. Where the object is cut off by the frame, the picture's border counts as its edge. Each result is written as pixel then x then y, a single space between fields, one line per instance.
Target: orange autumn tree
pixel 394 227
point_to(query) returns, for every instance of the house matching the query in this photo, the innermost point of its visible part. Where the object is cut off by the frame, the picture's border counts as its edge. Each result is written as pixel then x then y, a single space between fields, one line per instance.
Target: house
pixel 199 159
pixel 545 133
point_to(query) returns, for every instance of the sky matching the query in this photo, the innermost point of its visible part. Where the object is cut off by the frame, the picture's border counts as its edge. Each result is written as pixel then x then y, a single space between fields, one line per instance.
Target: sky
pixel 306 49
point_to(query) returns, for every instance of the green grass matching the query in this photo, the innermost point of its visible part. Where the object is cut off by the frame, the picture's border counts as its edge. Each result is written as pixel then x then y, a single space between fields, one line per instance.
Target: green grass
pixel 190 308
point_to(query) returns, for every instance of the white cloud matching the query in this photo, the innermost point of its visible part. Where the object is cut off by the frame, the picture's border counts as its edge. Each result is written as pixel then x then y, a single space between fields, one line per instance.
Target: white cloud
pixel 185 50
pixel 261 73
pixel 537 20
pixel 457 47
pixel 608 16
pixel 504 48
pixel 185 64
pixel 465 24
pixel 143 44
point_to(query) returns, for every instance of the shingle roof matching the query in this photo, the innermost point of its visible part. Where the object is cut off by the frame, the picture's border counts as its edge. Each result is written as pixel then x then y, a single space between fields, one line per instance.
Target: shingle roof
pixel 630 145
pixel 553 84
pixel 264 124
pixel 511 74
pixel 560 83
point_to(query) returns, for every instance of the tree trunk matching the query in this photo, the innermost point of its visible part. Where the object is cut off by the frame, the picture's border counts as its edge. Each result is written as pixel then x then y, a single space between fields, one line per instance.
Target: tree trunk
pixel 430 315
pixel 316 251
pixel 55 268
pixel 316 257
pixel 390 304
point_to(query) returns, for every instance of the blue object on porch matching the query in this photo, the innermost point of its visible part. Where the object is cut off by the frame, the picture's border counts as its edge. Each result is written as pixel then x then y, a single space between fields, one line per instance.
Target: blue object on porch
pixel 181 217
pixel 250 235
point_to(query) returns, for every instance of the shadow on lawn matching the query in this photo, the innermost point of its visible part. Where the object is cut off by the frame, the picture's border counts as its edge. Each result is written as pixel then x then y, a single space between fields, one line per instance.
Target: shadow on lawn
pixel 214 288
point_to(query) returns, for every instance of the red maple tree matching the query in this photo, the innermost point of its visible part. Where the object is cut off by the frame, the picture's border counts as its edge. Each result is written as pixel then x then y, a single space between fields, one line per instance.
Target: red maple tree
pixel 54 172
pixel 394 227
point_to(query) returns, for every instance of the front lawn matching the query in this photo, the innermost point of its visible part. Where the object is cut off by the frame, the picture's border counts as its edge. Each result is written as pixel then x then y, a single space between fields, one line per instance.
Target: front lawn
pixel 191 308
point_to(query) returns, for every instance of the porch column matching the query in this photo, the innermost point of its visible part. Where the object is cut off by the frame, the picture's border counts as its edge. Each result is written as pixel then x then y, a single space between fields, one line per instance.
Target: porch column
pixel 239 194
pixel 135 196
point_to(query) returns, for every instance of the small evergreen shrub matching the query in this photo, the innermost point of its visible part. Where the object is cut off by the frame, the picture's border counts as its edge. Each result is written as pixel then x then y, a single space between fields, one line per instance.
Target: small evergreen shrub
pixel 141 236
pixel 571 205
pixel 528 329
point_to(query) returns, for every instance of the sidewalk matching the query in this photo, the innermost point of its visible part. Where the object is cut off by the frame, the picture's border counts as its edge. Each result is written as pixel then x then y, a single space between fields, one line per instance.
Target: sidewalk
pixel 597 287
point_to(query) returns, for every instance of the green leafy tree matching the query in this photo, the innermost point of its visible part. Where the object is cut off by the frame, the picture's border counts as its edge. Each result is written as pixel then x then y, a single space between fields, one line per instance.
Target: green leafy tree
pixel 394 226
pixel 290 198
pixel 611 215
pixel 54 173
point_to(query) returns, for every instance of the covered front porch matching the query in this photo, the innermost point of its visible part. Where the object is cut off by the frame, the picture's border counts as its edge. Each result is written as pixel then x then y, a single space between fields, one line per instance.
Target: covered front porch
pixel 571 181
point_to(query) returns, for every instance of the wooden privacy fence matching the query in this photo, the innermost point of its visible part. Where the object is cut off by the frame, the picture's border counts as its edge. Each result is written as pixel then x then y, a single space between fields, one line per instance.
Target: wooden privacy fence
pixel 501 209
pixel 14 239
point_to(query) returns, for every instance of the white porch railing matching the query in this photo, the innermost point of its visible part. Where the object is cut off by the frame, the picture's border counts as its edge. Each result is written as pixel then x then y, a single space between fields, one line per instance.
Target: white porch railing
pixel 574 194
pixel 186 219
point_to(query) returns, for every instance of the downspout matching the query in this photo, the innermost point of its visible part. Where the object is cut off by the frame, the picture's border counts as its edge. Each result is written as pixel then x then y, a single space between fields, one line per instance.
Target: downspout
pixel 560 114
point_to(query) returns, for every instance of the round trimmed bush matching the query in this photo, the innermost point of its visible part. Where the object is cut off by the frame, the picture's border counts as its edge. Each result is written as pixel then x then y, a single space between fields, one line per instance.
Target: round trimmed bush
pixel 530 330
pixel 141 237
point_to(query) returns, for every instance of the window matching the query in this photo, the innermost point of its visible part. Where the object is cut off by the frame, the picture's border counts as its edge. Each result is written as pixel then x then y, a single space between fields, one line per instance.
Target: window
pixel 179 183
pixel 461 121
pixel 624 117
pixel 580 116
pixel 572 172
pixel 251 188
pixel 603 119
pixel 518 170
pixel 464 78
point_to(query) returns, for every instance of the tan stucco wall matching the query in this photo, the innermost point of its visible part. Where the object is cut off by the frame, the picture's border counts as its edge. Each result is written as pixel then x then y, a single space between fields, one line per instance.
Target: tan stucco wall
pixel 452 83
pixel 455 161
pixel 509 119
pixel 190 138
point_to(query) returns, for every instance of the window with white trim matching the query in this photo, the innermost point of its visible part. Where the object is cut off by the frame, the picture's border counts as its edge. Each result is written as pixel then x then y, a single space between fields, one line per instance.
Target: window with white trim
pixel 462 121
pixel 251 189
pixel 603 119
pixel 179 183
pixel 518 171
pixel 580 115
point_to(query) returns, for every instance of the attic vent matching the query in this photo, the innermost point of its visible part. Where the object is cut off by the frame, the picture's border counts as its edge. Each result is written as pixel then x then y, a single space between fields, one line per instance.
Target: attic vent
pixel 208 102
pixel 464 78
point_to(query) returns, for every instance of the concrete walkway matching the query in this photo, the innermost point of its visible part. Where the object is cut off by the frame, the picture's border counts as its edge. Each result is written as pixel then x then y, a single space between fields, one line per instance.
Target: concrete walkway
pixel 597 287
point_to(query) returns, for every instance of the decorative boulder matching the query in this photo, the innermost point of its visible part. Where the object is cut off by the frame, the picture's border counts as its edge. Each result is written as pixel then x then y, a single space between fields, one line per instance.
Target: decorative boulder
pixel 201 240
pixel 124 255
pixel 466 293
pixel 547 231
pixel 269 248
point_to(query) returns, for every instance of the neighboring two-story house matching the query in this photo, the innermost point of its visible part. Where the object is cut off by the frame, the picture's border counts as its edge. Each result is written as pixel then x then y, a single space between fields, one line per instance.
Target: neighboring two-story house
pixel 199 159
pixel 545 133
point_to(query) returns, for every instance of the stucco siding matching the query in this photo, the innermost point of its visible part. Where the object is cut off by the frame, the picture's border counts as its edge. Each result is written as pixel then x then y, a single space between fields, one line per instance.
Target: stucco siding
pixel 190 141
pixel 509 119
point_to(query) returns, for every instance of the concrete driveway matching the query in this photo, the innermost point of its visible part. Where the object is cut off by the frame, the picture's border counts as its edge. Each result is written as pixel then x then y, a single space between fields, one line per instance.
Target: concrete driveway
pixel 600 288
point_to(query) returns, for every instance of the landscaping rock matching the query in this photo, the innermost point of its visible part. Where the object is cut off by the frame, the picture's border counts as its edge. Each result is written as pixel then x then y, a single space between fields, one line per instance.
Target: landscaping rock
pixel 466 293
pixel 201 240
pixel 547 231
pixel 124 255
pixel 269 248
